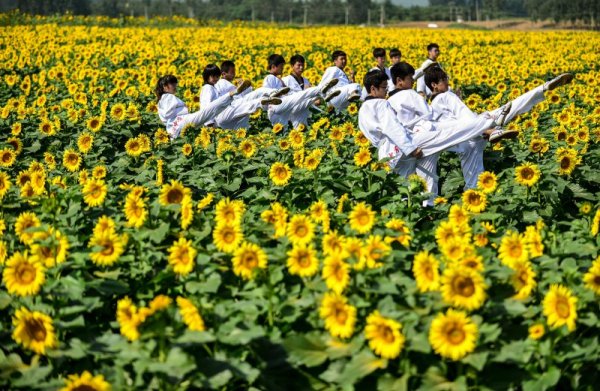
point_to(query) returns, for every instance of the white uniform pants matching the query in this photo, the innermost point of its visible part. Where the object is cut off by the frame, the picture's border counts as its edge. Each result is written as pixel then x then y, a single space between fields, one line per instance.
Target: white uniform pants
pixel 292 104
pixel 237 115
pixel 340 102
pixel 201 116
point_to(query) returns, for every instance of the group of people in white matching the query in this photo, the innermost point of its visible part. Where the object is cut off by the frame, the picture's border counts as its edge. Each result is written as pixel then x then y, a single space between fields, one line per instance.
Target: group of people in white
pixel 408 127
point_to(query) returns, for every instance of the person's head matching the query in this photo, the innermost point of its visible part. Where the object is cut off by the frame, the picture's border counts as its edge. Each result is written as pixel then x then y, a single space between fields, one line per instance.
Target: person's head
pixel 402 75
pixel 297 62
pixel 375 83
pixel 275 64
pixel 211 74
pixel 379 55
pixel 228 70
pixel 166 84
pixel 339 58
pixel 433 51
pixel 395 56
pixel 436 79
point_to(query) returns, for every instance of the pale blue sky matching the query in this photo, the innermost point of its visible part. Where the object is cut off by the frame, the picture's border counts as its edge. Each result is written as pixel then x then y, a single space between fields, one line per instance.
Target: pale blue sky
pixel 408 3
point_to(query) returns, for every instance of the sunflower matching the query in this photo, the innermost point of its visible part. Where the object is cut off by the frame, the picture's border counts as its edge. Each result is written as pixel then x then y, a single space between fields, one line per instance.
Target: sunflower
pixel 453 335
pixel 513 249
pixel 280 174
pixel 24 222
pixel 534 243
pixel 585 208
pixel 135 211
pixel 527 174
pixel 94 192
pixel 187 212
pixel 300 230
pixel 47 127
pixel 99 172
pixel 182 256
pixel 33 330
pixel 595 226
pixel 339 316
pixel 384 336
pixel 352 109
pixel 463 288
pixel 523 280
pixel 190 314
pixel 362 218
pixel 7 157
pixel 229 211
pixel 128 318
pixel 159 303
pixel 16 144
pixel 173 193
pixel 336 273
pixel 4 184
pixel 117 112
pixel 566 164
pixel 474 201
pixel 362 157
pixel 592 277
pixel 560 307
pixel 458 216
pixel 106 248
pixel 71 160
pixel 299 158
pixel 277 128
pixel 187 149
pixel 536 331
pixel 374 249
pixel 104 225
pixel 333 243
pixel 38 182
pixel 133 147
pixel 94 124
pixel 227 237
pixel 318 210
pixel 52 253
pixel 3 251
pixel 312 160
pixel 426 271
pixel 23 275
pixel 247 258
pixel 85 142
pixel 86 382
pixel 302 261
pixel 296 138
pixel 206 201
pixel 247 148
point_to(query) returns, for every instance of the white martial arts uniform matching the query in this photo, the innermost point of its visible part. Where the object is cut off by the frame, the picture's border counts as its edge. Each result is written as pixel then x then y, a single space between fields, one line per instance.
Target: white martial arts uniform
pixel 298 116
pixel 237 115
pixel 421 86
pixel 344 85
pixel 291 104
pixel 175 116
pixel 448 106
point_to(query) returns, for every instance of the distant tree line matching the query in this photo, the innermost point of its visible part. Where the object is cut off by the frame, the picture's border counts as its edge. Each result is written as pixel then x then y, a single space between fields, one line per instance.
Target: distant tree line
pixel 319 11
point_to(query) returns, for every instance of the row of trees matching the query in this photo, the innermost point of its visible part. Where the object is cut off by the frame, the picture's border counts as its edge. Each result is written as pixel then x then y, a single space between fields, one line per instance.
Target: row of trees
pixel 320 11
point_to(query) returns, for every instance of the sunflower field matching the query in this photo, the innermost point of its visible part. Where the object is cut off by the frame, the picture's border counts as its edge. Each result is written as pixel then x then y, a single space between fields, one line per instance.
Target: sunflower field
pixel 262 259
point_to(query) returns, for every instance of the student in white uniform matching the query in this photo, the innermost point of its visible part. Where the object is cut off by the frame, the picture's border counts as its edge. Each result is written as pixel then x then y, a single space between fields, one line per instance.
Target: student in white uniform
pixel 446 105
pixel 415 114
pixel 293 103
pixel 298 83
pixel 423 140
pixel 237 115
pixel 380 62
pixel 225 85
pixel 349 90
pixel 174 114
pixel 433 52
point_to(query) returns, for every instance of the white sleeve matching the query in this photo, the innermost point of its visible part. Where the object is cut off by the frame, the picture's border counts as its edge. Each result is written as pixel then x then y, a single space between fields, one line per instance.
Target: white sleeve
pixel 272 82
pixel 223 87
pixel 327 76
pixel 169 106
pixel 420 106
pixel 458 107
pixel 207 95
pixel 421 87
pixel 394 129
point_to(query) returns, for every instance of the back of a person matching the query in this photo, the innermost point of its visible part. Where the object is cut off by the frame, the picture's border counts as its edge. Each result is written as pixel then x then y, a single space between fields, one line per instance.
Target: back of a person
pixel 223 87
pixel 169 107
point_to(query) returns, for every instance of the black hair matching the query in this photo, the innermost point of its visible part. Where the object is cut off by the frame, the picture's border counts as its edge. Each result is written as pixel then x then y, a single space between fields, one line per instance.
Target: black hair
pixel 162 83
pixel 275 60
pixel 432 46
pixel 395 53
pixel 227 65
pixel 337 53
pixel 434 74
pixel 297 58
pixel 374 78
pixel 401 70
pixel 378 52
pixel 210 70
